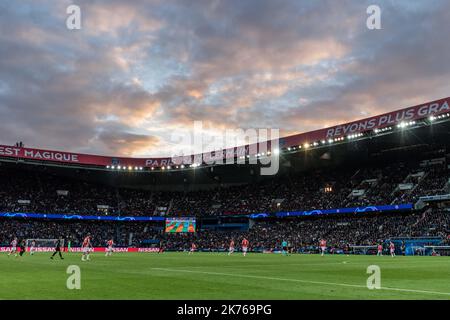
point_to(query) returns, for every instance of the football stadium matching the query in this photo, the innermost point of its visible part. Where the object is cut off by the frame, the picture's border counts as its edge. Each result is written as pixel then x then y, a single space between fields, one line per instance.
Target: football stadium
pixel 345 198
pixel 224 157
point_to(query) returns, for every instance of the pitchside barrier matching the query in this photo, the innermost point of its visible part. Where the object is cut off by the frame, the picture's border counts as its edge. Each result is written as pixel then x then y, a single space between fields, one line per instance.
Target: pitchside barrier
pixel 118 249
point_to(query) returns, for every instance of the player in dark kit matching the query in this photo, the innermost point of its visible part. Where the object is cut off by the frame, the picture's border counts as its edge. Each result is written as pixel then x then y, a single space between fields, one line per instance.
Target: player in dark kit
pixel 22 247
pixel 57 249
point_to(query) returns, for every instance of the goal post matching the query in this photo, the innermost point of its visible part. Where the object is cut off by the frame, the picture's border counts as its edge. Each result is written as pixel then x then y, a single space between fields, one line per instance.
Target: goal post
pixel 42 245
pixel 418 250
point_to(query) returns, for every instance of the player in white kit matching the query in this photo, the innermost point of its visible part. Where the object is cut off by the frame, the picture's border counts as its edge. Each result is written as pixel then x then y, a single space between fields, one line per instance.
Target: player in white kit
pixel 33 247
pixel 109 249
pixel 13 248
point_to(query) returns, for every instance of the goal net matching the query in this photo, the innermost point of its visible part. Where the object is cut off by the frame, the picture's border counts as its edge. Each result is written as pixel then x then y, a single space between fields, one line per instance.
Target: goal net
pixel 42 245
pixel 437 250
pixel 364 249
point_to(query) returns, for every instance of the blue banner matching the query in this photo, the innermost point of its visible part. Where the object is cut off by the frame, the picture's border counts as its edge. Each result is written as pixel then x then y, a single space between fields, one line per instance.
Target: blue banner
pixel 258 215
pixel 76 217
pixel 397 207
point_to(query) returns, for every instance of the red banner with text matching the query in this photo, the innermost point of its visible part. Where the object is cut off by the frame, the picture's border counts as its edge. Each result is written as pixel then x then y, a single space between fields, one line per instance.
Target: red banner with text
pixel 80 250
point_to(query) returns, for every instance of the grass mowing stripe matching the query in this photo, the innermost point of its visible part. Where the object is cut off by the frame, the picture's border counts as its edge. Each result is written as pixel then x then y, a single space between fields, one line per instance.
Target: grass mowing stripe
pixel 302 281
pixel 130 276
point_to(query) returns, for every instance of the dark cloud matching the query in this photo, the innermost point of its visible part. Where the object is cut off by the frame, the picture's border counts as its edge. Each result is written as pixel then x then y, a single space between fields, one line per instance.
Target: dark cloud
pixel 141 69
pixel 113 139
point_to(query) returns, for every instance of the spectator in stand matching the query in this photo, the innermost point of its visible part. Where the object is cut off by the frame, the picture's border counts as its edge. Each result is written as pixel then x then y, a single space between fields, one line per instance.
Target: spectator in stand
pixel 36 191
pixel 301 233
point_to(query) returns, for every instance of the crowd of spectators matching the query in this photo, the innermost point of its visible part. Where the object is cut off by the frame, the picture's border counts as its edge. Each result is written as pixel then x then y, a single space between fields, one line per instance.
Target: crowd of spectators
pixel 431 184
pixel 339 231
pixel 27 191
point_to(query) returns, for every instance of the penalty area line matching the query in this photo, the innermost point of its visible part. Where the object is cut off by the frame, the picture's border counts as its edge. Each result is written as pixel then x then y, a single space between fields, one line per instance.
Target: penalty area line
pixel 303 281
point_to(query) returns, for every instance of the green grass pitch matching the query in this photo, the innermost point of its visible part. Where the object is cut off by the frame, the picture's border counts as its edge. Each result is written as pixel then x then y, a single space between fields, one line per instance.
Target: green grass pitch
pixel 218 276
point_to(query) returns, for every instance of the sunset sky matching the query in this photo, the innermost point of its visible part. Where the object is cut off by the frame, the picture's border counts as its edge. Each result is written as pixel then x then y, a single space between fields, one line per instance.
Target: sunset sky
pixel 139 70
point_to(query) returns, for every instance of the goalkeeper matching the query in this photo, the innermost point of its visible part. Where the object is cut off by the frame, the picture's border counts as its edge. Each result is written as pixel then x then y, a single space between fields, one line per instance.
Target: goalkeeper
pixel 57 249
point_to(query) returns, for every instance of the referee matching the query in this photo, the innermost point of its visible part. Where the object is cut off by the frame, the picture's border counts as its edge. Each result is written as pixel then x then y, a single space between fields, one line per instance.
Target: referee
pixel 57 249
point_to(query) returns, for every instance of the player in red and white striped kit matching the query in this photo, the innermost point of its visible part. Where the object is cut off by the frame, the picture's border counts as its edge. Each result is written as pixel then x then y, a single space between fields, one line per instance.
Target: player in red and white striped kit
pixel 245 244
pixel 323 246
pixel 231 248
pixel 86 247
pixel 13 248
pixel 193 248
pixel 392 249
pixel 379 250
pixel 109 249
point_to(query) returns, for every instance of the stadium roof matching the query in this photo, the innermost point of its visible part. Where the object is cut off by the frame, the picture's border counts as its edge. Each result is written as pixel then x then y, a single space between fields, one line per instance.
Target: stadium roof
pixel 408 118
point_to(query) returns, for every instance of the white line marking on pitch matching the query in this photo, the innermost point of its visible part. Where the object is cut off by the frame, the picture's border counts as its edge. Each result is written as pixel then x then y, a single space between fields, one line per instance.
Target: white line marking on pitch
pixel 303 281
pixel 352 263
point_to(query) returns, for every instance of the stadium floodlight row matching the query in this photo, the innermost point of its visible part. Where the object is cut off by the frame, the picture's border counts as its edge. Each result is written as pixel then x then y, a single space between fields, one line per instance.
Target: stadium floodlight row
pixel 412 117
